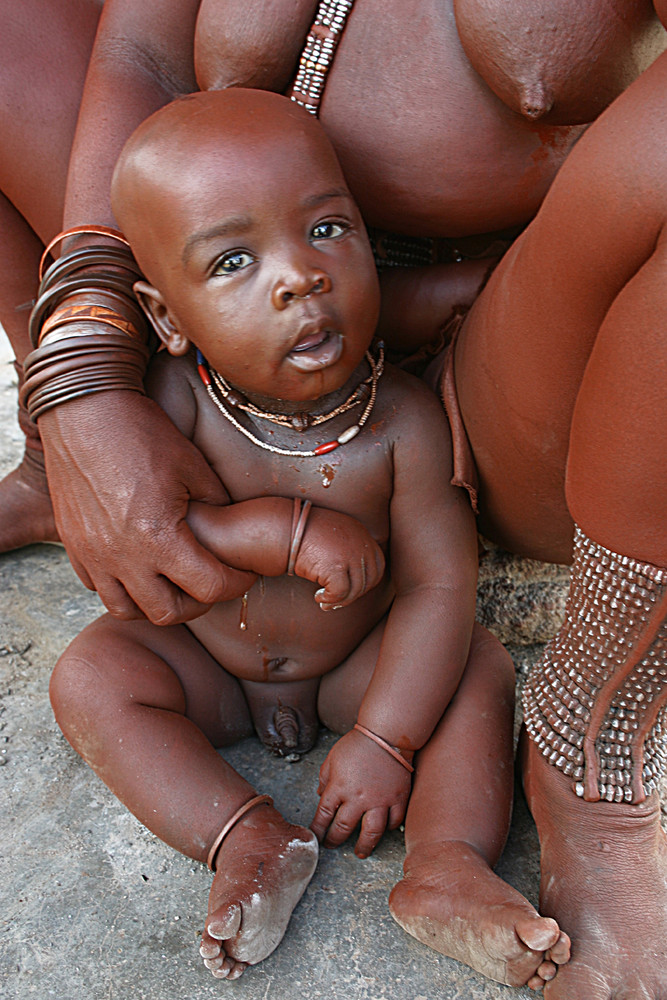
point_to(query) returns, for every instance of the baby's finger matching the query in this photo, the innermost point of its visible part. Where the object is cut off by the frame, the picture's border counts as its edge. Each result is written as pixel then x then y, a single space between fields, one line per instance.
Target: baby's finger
pixel 374 566
pixel 342 825
pixel 337 585
pixel 397 814
pixel 324 816
pixel 373 826
pixel 324 776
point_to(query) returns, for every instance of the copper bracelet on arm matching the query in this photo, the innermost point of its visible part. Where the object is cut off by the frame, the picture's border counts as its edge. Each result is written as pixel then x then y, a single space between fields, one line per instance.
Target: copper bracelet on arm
pixel 88 330
pixel 394 751
pixel 300 514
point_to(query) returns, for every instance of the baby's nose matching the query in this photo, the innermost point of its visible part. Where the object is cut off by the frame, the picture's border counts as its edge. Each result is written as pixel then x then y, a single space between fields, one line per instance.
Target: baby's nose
pixel 299 284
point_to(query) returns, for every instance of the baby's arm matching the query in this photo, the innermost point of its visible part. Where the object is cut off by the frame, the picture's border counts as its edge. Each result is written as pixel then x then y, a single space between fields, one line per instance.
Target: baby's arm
pixel 254 537
pixel 426 638
pixel 336 551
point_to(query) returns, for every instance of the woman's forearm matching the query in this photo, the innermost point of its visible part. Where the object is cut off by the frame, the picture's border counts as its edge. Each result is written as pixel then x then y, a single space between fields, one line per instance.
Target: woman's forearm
pixel 142 58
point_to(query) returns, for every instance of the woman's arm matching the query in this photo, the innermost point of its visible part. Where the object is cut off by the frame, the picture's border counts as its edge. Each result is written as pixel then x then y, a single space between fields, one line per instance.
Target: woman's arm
pixel 120 474
pixel 143 58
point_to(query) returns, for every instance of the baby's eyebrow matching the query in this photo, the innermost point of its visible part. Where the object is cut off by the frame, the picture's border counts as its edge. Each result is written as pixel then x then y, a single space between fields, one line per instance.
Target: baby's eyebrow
pixel 235 224
pixel 317 199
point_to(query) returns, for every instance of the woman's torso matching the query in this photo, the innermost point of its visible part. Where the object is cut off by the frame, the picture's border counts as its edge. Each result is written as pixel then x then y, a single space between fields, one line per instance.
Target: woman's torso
pixel 426 147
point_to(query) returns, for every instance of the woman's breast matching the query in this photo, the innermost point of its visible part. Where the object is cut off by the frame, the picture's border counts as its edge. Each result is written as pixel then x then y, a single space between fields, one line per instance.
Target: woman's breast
pixel 426 147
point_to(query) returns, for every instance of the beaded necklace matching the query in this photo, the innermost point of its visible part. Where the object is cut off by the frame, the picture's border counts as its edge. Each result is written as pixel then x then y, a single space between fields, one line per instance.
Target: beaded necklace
pixel 216 386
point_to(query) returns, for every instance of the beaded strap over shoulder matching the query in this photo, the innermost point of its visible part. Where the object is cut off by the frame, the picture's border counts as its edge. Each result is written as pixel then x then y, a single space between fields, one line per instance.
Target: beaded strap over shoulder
pixel 318 53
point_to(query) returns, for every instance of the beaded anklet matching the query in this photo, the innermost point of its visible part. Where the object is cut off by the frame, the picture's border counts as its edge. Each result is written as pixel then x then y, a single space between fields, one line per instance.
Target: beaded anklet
pixel 596 703
pixel 395 753
pixel 232 821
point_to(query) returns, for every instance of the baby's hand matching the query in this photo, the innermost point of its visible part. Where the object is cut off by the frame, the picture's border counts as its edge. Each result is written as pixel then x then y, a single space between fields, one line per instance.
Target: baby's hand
pixel 359 781
pixel 339 554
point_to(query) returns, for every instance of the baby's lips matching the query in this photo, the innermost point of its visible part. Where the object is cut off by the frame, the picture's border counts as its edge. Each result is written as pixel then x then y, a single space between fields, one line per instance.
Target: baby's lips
pixel 325 350
pixel 310 340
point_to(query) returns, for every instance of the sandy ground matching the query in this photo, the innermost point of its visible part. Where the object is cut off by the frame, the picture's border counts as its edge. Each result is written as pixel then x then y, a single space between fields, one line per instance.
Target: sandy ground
pixel 92 906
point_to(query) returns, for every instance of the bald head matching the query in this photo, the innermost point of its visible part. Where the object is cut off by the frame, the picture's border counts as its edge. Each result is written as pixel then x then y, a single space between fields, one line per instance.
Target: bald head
pixel 203 142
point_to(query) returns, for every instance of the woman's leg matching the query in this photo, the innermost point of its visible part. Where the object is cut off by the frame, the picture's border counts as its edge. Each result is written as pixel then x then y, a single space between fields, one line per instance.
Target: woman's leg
pixel 26 514
pixel 145 707
pixel 44 51
pixel 561 374
pixel 457 821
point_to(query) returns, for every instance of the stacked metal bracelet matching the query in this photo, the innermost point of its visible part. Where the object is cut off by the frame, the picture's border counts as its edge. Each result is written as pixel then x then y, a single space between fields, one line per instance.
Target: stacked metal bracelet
pixel 88 331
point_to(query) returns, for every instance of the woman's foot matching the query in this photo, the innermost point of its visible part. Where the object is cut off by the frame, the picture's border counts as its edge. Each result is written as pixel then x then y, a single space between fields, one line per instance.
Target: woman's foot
pixel 604 875
pixel 452 901
pixel 263 868
pixel 26 514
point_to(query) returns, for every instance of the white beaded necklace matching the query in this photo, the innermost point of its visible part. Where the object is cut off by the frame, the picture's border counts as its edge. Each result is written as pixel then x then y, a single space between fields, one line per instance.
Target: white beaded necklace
pixel 212 380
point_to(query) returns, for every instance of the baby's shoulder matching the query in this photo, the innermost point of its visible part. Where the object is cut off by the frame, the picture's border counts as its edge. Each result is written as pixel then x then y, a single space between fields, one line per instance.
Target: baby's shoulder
pixel 409 405
pixel 171 383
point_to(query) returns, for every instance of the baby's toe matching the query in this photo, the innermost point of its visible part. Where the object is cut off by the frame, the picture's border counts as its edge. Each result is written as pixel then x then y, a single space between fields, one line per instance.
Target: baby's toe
pixel 547 970
pixel 237 970
pixel 224 923
pixel 560 951
pixel 209 949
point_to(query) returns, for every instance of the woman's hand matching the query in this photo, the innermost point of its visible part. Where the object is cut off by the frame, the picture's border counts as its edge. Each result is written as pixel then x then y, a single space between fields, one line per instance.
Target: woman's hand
pixel 360 781
pixel 121 477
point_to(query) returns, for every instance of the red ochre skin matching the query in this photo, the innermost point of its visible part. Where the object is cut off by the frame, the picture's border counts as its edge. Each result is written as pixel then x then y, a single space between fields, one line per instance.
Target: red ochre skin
pixel 256 253
pixel 560 363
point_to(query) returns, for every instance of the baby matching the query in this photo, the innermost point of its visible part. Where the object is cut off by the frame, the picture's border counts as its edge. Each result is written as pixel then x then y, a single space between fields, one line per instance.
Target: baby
pixel 337 468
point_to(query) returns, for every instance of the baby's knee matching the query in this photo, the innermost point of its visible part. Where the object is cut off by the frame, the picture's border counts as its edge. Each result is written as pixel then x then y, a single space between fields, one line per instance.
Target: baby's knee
pixel 489 664
pixel 75 682
pixel 84 679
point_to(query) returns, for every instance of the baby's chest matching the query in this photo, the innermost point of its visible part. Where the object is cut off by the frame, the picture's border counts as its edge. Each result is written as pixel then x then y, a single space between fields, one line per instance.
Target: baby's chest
pixel 355 479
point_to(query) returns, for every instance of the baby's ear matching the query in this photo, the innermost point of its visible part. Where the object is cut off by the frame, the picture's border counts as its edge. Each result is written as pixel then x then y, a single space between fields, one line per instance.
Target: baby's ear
pixel 155 307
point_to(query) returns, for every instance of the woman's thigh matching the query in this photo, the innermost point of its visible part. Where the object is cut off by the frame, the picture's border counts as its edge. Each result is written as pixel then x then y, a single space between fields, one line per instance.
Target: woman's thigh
pixel 44 51
pixel 563 309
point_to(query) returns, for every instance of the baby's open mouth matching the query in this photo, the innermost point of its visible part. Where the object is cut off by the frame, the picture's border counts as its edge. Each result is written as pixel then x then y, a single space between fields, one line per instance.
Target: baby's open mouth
pixel 318 349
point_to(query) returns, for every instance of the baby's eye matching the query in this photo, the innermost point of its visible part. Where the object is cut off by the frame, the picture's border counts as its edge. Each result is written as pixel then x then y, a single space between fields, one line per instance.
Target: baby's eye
pixel 233 261
pixel 328 230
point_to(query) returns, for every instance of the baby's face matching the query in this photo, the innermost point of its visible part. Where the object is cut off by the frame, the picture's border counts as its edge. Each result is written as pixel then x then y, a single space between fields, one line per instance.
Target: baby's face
pixel 266 267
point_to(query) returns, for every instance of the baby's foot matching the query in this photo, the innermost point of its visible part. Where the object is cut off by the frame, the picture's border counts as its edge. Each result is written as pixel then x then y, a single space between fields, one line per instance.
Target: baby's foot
pixel 452 901
pixel 263 868
pixel 26 514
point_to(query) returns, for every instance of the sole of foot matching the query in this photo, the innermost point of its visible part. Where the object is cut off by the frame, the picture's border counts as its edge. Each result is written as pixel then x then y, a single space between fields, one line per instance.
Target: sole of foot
pixel 263 868
pixel 451 900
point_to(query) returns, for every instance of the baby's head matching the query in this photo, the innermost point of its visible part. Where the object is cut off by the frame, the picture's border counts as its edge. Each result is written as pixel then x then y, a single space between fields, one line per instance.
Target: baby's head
pixel 238 213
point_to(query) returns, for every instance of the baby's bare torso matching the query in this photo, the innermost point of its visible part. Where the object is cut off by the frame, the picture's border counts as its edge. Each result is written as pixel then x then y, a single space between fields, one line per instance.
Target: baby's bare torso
pixel 279 633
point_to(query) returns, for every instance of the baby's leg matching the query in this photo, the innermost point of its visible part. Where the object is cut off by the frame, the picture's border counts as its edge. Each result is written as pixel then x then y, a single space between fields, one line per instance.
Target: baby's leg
pixel 457 822
pixel 145 707
pixel 455 830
